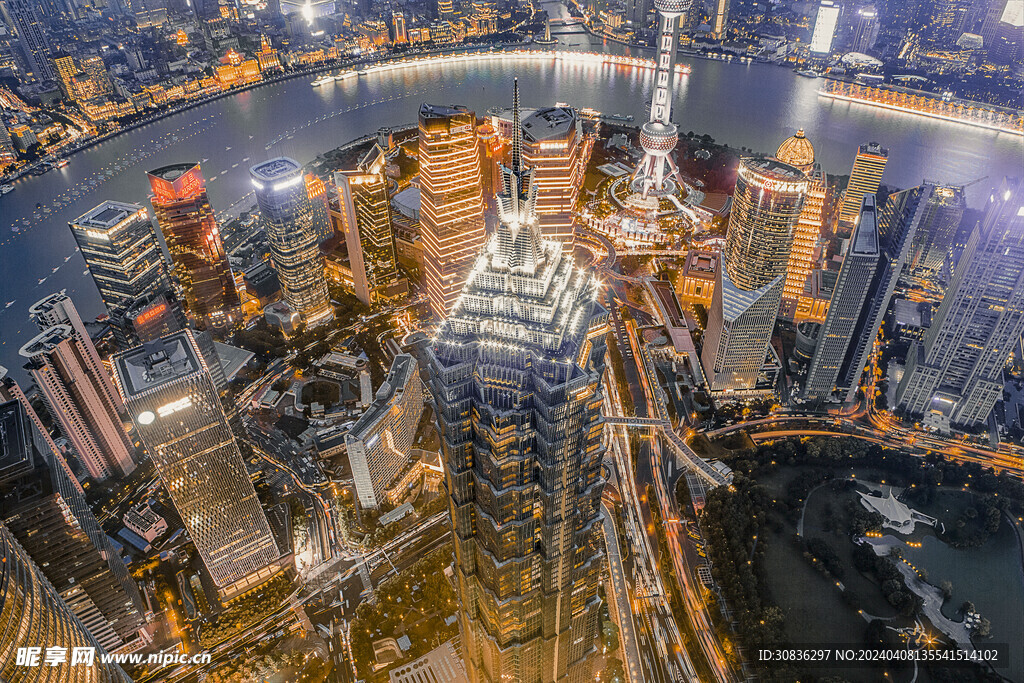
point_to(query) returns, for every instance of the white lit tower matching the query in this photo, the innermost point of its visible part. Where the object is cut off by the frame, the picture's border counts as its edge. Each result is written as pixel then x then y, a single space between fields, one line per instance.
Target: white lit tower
pixel 658 136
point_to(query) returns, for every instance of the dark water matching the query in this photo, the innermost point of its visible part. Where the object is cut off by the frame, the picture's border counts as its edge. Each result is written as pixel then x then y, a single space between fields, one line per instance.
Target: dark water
pixel 990 577
pixel 750 105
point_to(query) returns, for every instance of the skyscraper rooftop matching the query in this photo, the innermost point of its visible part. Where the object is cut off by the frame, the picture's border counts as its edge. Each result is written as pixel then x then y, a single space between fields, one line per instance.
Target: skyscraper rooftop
pixel 275 169
pixel 157 363
pixel 107 215
pixel 549 122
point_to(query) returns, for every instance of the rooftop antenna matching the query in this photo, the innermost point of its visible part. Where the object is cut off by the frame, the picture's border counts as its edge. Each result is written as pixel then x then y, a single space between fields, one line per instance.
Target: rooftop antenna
pixel 517 130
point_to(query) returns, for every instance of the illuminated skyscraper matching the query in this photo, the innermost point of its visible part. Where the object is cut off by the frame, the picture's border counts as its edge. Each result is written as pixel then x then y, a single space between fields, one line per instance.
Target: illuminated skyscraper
pixel 177 411
pixel 79 395
pixel 864 179
pixel 66 69
pixel 934 238
pixel 30 26
pixel 798 152
pixel 366 213
pixel 451 203
pixel 30 609
pixel 150 318
pixel 399 34
pixel 862 293
pixel 555 148
pixel 720 19
pixel 657 173
pixel 121 250
pixel 825 27
pixel 317 191
pixel 767 202
pixel 44 507
pixel 849 298
pixel 866 29
pixel 947 21
pixel 515 373
pixel 958 369
pixel 380 442
pixel 287 216
pixel 189 226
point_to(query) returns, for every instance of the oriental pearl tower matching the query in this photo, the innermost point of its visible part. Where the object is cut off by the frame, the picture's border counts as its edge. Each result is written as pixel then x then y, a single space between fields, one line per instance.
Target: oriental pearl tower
pixel 657 174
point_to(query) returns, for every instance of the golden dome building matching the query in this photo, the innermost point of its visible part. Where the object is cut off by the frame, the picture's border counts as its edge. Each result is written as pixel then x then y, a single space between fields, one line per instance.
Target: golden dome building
pixel 797 151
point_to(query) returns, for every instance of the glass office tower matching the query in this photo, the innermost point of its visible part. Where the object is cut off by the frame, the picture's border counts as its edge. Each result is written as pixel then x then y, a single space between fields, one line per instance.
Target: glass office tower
pixel 120 248
pixel 451 201
pixel 287 216
pixel 177 411
pixel 767 203
pixel 187 222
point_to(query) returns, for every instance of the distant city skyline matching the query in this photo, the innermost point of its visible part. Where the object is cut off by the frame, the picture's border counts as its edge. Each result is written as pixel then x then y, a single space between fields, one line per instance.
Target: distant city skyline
pixel 343 369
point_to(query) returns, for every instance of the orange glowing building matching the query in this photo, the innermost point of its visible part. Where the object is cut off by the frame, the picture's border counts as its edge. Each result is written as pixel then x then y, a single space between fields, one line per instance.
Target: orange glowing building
pixel 451 201
pixel 797 151
pixel 189 226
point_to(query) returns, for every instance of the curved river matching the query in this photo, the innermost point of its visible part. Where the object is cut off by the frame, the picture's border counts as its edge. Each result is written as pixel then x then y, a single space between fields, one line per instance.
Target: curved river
pixel 751 105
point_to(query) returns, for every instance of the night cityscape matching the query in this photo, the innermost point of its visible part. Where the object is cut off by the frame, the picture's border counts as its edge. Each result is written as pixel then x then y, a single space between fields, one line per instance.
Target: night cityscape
pixel 511 341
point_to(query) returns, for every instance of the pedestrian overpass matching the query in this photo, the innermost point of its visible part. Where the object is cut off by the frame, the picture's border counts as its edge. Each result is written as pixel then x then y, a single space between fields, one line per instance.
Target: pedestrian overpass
pixel 696 464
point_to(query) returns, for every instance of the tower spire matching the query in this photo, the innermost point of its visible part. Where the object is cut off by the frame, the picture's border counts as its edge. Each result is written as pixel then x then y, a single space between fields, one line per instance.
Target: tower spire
pixel 517 130
pixel 657 173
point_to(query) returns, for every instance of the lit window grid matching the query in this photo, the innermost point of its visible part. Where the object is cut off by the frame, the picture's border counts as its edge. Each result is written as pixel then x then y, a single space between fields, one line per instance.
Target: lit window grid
pixel 864 179
pixel 759 236
pixel 451 209
pixel 195 454
pixel 288 220
pixel 201 265
pixel 126 265
pixel 805 238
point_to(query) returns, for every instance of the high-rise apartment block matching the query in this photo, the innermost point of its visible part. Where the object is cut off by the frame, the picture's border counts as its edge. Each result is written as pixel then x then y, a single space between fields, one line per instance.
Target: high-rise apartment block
pixel 451 203
pixel 44 508
pixel 957 370
pixel 767 202
pixel 825 27
pixel 287 216
pixel 183 213
pixel 864 179
pixel 933 242
pixel 555 148
pixel 365 208
pixel 177 411
pixel 29 607
pixel 380 442
pixel 121 250
pixel 29 23
pixel 79 395
pixel 516 379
